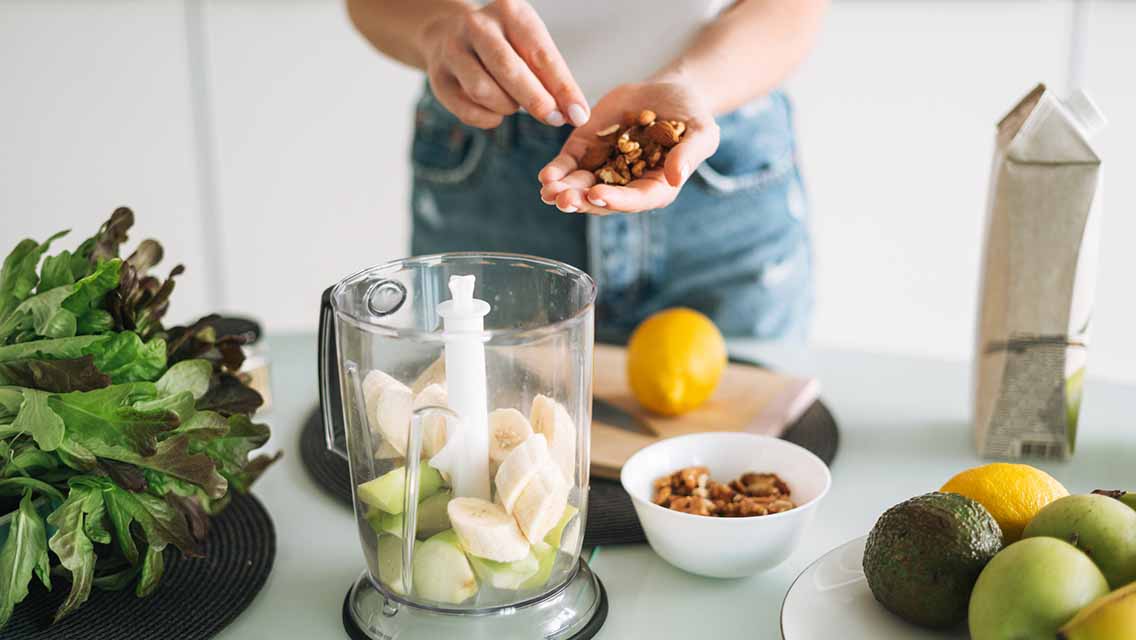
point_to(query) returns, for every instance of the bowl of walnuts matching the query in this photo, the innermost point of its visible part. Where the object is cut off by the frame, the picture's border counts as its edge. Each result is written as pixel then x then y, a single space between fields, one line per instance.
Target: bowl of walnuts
pixel 725 505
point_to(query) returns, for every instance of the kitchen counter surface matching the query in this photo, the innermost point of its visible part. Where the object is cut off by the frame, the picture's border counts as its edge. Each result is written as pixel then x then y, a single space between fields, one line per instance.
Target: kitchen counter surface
pixel 904 431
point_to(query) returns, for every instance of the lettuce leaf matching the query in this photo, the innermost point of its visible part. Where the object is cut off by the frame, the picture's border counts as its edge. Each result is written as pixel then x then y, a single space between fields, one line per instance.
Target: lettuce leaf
pixel 78 523
pixel 56 376
pixel 18 275
pixel 24 553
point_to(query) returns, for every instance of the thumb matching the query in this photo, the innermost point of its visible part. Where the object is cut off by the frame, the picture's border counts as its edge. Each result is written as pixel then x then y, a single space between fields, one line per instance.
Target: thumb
pixel 697 145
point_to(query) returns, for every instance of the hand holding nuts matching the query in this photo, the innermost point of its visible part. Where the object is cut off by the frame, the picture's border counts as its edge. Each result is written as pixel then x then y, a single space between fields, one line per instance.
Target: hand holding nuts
pixel 691 490
pixel 628 149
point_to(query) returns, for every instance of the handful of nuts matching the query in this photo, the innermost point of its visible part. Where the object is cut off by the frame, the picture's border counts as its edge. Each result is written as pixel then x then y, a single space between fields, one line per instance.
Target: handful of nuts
pixel 630 148
pixel 691 490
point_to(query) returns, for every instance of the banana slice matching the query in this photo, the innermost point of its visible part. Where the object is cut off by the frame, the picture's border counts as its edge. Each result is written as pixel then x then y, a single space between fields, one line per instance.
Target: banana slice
pixel 433 427
pixel 486 530
pixel 388 403
pixel 522 463
pixel 541 505
pixel 551 418
pixel 507 429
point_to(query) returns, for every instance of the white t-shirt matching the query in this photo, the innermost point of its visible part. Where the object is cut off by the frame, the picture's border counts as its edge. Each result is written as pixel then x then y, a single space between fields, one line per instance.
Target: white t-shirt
pixel 610 42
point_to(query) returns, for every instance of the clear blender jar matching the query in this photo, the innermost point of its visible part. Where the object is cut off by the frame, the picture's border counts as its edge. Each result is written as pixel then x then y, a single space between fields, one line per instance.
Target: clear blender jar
pixel 461 387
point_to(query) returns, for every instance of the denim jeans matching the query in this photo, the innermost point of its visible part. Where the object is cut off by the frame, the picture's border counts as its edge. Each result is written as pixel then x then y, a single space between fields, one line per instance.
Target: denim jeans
pixel 734 244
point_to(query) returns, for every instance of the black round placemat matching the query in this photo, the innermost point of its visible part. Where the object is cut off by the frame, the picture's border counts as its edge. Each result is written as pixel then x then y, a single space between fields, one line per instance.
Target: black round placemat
pixel 611 518
pixel 588 632
pixel 196 598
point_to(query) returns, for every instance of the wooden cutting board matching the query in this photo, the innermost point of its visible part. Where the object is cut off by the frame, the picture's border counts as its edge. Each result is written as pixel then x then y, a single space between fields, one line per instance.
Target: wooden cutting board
pixel 748 398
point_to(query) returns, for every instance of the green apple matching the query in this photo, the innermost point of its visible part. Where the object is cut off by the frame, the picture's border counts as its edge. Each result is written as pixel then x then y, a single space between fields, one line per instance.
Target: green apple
pixel 1103 528
pixel 442 571
pixel 554 536
pixel 432 518
pixel 1031 588
pixel 390 562
pixel 505 575
pixel 546 557
pixel 386 491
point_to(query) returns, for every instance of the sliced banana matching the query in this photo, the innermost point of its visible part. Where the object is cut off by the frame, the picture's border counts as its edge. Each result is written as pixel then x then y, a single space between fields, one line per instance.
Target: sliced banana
pixel 551 418
pixel 388 403
pixel 486 530
pixel 541 505
pixel 507 429
pixel 434 426
pixel 522 463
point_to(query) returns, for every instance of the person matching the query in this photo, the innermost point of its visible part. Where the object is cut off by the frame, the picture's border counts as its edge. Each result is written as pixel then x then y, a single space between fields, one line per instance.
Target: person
pixel 721 227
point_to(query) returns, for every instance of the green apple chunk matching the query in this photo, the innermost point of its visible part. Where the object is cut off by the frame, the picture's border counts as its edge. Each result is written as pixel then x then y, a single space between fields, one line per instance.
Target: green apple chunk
pixel 554 536
pixel 386 491
pixel 432 518
pixel 546 557
pixel 441 570
pixel 505 575
pixel 1103 528
pixel 1032 588
pixel 390 562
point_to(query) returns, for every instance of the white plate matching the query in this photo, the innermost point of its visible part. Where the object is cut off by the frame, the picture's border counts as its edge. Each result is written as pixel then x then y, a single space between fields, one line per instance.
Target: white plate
pixel 831 599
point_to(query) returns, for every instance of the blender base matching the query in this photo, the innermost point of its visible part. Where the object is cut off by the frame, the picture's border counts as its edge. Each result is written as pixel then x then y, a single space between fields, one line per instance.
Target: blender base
pixel 574 612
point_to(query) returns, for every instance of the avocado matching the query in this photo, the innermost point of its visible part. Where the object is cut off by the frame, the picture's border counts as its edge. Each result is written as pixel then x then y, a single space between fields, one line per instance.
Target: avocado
pixel 924 555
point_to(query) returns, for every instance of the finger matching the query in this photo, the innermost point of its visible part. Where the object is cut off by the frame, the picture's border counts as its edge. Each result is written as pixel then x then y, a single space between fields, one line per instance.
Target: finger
pixel 478 84
pixel 573 198
pixel 697 145
pixel 577 180
pixel 511 72
pixel 530 38
pixel 643 194
pixel 560 166
pixel 451 95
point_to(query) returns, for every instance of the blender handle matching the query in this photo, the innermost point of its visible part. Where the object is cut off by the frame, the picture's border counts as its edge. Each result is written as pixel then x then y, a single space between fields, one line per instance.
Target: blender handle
pixel 410 495
pixel 331 400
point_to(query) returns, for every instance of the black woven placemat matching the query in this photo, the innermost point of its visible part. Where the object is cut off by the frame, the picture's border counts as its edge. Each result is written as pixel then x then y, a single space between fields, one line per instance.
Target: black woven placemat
pixel 611 518
pixel 196 599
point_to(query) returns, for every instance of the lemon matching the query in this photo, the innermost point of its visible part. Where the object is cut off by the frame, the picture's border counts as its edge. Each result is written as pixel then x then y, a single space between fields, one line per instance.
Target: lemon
pixel 674 361
pixel 1012 493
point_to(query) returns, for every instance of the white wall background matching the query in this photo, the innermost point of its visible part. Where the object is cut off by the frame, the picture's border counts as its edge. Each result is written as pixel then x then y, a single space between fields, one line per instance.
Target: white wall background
pixel 265 144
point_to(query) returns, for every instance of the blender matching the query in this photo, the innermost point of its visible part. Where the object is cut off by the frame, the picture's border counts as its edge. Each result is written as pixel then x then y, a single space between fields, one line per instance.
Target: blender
pixel 459 389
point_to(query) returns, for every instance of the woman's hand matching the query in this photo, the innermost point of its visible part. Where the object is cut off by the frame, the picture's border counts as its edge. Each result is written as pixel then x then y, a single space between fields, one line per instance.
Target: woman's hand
pixel 484 63
pixel 573 189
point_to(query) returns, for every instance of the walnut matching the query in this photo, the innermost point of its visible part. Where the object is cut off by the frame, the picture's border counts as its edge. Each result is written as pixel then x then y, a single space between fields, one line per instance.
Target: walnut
pixel 662 495
pixel 777 506
pixel 607 175
pixel 630 148
pixel 749 507
pixel 690 476
pixel 638 168
pixel 762 484
pixel 719 491
pixel 693 504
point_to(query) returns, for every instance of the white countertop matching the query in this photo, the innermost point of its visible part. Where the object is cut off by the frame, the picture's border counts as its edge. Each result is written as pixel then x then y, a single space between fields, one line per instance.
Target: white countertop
pixel 904 430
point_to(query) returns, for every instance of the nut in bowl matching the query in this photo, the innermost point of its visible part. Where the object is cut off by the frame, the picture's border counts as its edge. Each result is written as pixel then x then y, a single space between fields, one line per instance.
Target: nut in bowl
pixel 725 547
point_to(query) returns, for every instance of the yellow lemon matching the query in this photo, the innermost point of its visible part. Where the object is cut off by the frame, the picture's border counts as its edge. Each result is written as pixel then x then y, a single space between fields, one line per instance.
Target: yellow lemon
pixel 1012 493
pixel 674 361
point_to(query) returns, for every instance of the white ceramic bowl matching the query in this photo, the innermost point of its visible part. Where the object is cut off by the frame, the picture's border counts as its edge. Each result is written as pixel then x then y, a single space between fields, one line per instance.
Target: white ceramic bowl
pixel 726 547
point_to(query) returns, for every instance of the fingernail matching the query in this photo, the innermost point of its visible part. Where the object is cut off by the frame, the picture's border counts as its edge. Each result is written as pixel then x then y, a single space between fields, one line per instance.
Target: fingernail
pixel 555 119
pixel 578 115
pixel 597 201
pixel 545 201
pixel 568 209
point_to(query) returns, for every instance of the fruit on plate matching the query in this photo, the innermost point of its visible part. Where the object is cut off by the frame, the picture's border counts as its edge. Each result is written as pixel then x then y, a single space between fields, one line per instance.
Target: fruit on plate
pixel 550 418
pixel 675 359
pixel 505 575
pixel 1106 618
pixel 486 530
pixel 432 518
pixel 1012 493
pixel 546 558
pixel 924 555
pixel 386 491
pixel 1032 588
pixel 1103 528
pixel 542 503
pixel 519 467
pixel 441 570
pixel 390 561
pixel 508 428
